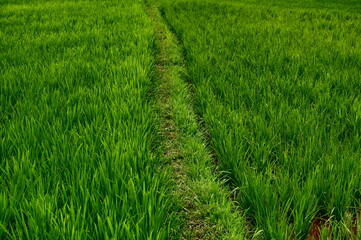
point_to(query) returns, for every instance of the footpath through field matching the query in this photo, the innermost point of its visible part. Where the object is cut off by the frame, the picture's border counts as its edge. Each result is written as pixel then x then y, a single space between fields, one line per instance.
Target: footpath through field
pixel 207 209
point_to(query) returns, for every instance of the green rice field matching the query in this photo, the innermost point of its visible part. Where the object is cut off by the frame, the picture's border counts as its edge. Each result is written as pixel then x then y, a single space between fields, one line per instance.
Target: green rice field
pixel 258 136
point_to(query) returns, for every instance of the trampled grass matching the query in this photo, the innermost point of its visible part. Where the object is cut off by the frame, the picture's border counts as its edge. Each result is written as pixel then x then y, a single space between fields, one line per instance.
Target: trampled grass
pixel 207 212
pixel 277 84
pixel 77 128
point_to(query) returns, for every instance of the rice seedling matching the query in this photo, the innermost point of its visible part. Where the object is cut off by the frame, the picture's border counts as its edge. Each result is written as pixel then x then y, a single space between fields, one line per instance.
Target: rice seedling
pixel 277 85
pixel 77 127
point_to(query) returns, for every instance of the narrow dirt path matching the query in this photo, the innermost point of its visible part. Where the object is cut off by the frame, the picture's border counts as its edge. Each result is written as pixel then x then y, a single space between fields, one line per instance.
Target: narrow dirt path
pixel 208 212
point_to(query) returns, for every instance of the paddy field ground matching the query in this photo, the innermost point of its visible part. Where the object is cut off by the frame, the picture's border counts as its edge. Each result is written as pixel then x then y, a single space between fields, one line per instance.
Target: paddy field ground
pixel 182 119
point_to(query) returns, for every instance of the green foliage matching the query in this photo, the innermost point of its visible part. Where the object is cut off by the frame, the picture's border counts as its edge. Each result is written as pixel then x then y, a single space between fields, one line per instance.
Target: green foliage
pixel 76 125
pixel 276 84
pixel 208 211
pixel 278 87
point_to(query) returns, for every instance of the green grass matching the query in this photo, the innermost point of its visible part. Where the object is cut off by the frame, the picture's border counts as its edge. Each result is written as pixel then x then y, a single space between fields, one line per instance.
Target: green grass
pixel 208 211
pixel 278 87
pixel 77 127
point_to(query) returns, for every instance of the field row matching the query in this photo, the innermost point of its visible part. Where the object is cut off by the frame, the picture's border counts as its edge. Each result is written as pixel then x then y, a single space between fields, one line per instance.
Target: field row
pixel 77 128
pixel 278 87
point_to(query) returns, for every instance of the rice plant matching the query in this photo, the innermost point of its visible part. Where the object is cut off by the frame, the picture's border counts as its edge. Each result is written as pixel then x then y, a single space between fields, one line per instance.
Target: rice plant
pixel 77 128
pixel 277 84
